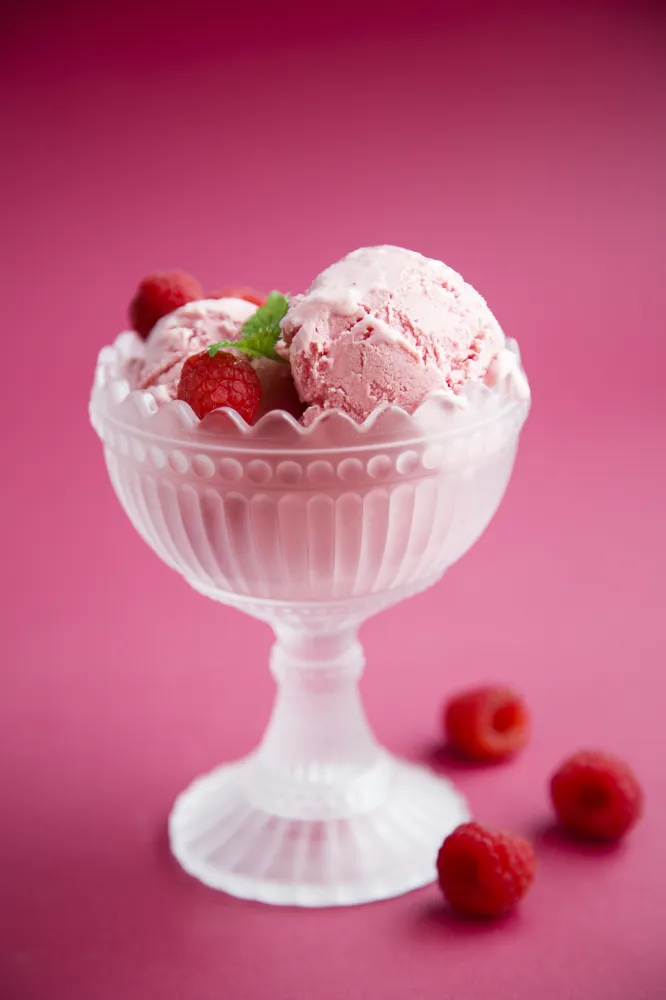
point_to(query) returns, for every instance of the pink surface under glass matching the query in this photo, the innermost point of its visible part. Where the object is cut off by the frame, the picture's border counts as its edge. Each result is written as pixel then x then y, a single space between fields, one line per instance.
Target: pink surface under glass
pixel 527 151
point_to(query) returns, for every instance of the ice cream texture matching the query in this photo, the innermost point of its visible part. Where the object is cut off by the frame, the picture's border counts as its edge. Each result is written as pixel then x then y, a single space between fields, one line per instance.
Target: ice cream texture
pixel 388 325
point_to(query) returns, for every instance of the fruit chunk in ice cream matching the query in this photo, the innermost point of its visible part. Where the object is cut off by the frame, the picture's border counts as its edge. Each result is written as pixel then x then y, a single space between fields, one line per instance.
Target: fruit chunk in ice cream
pixel 386 324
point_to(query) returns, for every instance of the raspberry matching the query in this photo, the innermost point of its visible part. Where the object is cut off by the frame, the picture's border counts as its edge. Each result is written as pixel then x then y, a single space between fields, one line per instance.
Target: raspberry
pixel 486 723
pixel 596 795
pixel 224 380
pixel 240 292
pixel 483 872
pixel 159 294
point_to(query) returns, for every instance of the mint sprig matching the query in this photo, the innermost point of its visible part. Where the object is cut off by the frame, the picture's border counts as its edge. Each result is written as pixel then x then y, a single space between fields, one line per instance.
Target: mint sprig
pixel 260 332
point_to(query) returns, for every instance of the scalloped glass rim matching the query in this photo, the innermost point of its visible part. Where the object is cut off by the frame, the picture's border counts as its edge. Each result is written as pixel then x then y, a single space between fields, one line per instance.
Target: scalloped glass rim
pixel 441 412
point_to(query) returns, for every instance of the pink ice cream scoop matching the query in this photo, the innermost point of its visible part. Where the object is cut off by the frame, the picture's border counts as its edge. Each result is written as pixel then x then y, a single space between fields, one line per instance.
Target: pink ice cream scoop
pixel 386 325
pixel 194 327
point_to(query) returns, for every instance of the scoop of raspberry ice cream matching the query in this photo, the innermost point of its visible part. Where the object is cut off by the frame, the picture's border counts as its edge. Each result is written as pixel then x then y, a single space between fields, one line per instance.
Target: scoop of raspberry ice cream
pixel 386 324
pixel 192 329
pixel 187 331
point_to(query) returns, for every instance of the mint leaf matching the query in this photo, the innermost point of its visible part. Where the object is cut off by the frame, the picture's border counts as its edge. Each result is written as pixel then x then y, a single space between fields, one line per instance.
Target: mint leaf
pixel 260 332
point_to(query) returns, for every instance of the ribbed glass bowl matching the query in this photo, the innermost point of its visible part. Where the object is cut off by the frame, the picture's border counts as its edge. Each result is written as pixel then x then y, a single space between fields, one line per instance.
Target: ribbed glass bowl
pixel 312 530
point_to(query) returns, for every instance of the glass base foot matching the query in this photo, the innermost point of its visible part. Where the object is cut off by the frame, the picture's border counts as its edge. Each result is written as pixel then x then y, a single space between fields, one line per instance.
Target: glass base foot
pixel 223 840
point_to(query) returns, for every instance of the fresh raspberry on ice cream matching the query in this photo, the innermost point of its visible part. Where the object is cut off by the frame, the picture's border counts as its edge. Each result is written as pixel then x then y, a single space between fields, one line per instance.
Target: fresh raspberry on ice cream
pixel 486 723
pixel 158 294
pixel 596 795
pixel 482 872
pixel 207 383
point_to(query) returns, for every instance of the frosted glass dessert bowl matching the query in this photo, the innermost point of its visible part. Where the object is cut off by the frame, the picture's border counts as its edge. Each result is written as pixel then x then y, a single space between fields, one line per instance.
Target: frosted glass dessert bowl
pixel 312 530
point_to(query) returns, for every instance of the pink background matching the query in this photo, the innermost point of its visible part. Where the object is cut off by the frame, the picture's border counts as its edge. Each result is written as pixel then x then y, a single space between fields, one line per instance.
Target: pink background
pixel 527 149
